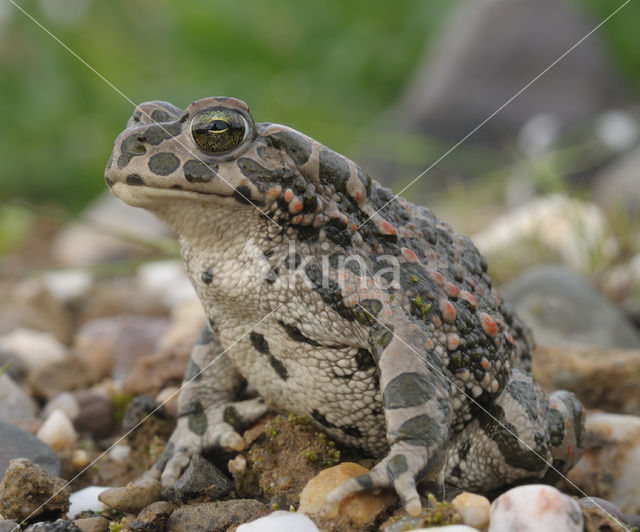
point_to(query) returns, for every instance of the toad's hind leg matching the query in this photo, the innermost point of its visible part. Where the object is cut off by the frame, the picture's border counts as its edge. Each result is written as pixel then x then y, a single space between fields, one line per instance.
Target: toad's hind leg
pixel 506 441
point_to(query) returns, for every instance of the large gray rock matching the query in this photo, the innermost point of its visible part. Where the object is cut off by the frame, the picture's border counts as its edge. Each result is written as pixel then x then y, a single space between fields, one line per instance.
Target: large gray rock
pixel 563 309
pixel 14 403
pixel 490 50
pixel 16 443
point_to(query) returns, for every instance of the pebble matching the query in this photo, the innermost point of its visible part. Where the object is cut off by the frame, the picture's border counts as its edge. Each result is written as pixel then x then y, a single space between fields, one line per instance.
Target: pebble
pixel 215 515
pixel 57 431
pixel 27 491
pixel 66 402
pixel 7 525
pixel 201 478
pixel 120 453
pixel 59 525
pixel 153 518
pixel 185 325
pixel 154 372
pixel 600 513
pixel 112 345
pixel 474 509
pixel 14 402
pixel 16 442
pixel 86 500
pixel 361 507
pixel 168 279
pixel 30 305
pixel 92 524
pixel 71 374
pixel 535 507
pixel 34 348
pixel 79 458
pixel 133 497
pixel 611 461
pixel 68 285
pixel 280 521
pixel 96 417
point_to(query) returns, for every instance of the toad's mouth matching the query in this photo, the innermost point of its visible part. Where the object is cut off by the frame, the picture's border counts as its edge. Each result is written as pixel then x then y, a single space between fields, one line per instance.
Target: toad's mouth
pixel 140 195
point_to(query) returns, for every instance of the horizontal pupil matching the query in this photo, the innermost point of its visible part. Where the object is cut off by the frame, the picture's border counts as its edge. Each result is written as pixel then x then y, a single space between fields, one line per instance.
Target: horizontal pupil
pixel 218 125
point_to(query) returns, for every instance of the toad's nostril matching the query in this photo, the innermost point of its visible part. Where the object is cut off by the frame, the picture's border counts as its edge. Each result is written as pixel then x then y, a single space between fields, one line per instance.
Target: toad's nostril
pixel 142 138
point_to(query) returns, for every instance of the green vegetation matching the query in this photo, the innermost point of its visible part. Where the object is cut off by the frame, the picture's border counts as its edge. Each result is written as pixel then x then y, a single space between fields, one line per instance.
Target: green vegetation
pixel 330 68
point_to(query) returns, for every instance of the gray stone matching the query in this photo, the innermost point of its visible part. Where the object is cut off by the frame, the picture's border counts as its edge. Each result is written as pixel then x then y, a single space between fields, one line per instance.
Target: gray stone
pixel 563 309
pixel 59 525
pixel 7 525
pixel 215 516
pixel 16 443
pixel 201 478
pixel 489 51
pixel 14 403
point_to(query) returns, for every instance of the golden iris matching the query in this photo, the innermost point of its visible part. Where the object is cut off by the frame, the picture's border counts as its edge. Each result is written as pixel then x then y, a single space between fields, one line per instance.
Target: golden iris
pixel 218 130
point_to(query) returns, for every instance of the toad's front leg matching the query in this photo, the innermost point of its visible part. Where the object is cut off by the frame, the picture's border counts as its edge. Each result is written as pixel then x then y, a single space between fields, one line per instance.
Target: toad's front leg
pixel 416 398
pixel 209 416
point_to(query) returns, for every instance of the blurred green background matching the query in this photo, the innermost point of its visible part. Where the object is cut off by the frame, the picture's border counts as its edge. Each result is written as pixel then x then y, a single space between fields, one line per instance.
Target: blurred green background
pixel 329 68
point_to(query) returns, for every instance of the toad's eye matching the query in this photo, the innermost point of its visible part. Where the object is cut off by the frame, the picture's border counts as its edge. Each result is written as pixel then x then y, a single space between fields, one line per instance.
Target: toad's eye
pixel 218 130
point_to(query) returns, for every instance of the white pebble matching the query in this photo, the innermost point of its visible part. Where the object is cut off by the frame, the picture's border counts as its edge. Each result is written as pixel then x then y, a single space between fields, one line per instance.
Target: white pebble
pixel 67 285
pixel 119 453
pixel 280 522
pixel 35 348
pixel 58 432
pixel 474 509
pixel 64 401
pixel 167 277
pixel 86 500
pixel 535 507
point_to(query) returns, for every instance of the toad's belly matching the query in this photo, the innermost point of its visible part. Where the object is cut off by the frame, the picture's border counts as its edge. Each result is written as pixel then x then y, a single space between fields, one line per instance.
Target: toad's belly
pixel 337 388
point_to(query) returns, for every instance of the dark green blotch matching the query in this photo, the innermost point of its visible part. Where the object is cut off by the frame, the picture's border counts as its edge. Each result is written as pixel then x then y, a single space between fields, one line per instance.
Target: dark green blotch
pixel 243 194
pixel 231 416
pixel 333 169
pixel 352 431
pixel 408 389
pixel 295 146
pixel 367 311
pixel 396 465
pixel 365 481
pixel 259 342
pixel 380 337
pixel 134 180
pixel 131 147
pixel 155 134
pixel 163 163
pixel 207 276
pixel 295 334
pixel 365 360
pixel 158 115
pixel 260 175
pixel 197 419
pixel 420 428
pixel 192 373
pixel 198 172
pixel 321 418
pixel 278 367
pixel 364 179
